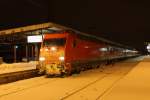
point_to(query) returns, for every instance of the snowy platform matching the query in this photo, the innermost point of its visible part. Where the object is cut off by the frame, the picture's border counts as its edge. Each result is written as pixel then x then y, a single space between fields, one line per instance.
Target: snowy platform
pixel 126 80
pixel 16 67
pixel 134 86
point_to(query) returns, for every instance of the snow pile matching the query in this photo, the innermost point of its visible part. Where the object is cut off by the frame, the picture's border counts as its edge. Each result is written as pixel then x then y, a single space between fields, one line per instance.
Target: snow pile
pixel 15 67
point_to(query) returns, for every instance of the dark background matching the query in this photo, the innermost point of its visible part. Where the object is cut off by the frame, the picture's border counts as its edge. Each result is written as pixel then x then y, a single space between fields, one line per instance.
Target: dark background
pixel 124 21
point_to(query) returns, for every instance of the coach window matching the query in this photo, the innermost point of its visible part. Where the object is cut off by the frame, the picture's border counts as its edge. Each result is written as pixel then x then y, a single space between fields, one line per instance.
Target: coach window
pixel 74 44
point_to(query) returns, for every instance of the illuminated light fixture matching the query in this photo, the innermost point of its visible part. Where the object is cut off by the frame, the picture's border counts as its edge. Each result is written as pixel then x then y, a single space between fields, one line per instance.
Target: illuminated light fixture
pixel 41 50
pixel 148 47
pixel 61 58
pixel 16 46
pixel 42 58
pixel 53 49
pixel 128 50
pixel 86 47
pixel 46 49
pixel 135 51
pixel 102 49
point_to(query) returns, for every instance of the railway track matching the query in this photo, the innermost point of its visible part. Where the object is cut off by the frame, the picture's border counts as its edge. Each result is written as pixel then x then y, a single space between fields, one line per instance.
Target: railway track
pixel 72 92
pixel 39 84
pixel 14 76
pixel 102 94
pixel 94 82
pixel 30 87
pixel 89 84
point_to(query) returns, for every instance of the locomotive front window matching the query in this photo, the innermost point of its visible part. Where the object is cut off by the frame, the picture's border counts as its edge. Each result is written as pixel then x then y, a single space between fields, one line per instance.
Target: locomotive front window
pixel 55 42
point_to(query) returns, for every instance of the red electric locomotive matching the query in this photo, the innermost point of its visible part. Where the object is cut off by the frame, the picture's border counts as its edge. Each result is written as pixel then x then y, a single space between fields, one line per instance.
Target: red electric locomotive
pixel 67 52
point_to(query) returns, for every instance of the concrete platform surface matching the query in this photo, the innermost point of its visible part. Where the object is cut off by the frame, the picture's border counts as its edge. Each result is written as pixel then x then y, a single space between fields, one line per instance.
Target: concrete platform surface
pixel 134 86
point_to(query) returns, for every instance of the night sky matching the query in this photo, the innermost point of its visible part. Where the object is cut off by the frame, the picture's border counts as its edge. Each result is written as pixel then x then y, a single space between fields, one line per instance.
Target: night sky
pixel 126 21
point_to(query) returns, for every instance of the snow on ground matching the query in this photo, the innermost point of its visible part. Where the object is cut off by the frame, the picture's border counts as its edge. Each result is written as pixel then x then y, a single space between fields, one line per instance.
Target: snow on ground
pixel 135 86
pixel 15 67
pixel 88 85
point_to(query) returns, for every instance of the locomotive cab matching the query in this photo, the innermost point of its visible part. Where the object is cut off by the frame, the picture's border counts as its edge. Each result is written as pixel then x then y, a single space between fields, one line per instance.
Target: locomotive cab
pixel 52 54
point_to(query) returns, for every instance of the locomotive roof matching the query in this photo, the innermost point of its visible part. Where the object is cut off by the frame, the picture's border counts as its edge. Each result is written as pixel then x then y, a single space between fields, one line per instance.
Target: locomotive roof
pixel 105 40
pixel 71 30
pixel 99 39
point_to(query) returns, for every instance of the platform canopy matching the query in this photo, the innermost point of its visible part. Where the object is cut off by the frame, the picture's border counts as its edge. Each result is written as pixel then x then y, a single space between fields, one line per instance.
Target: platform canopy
pixel 30 28
pixel 20 33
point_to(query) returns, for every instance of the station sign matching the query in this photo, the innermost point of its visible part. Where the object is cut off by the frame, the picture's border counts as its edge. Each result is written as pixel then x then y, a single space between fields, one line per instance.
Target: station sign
pixel 34 39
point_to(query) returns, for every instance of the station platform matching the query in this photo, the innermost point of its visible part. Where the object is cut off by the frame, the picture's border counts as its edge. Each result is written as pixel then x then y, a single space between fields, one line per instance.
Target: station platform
pixel 17 67
pixel 134 86
pixel 125 80
pixel 17 71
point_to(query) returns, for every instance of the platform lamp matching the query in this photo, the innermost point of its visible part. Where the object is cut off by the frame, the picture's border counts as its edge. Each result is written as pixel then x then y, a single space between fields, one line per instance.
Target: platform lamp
pixel 148 48
pixel 15 52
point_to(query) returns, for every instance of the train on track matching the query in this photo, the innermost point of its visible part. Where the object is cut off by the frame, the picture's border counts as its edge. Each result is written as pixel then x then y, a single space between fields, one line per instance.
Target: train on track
pixel 67 52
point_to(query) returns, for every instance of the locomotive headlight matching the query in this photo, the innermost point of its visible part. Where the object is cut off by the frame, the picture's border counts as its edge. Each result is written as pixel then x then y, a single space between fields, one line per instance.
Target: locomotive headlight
pixel 61 58
pixel 53 48
pixel 42 58
pixel 46 49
